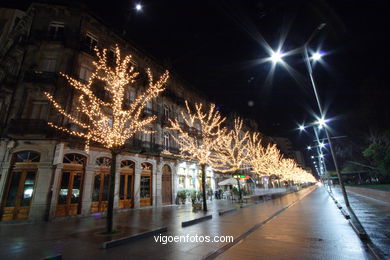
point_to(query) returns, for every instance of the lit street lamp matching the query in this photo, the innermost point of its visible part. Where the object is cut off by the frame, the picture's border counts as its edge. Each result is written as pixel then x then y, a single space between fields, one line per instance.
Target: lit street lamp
pixel 321 120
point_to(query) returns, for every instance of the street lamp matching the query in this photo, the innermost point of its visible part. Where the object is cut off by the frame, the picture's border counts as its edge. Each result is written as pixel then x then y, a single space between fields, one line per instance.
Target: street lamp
pixel 316 56
pixel 138 7
pixel 276 57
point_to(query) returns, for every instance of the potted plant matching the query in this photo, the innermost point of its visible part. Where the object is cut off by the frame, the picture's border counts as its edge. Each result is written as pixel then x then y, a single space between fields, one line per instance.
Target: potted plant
pixel 182 195
pixel 195 199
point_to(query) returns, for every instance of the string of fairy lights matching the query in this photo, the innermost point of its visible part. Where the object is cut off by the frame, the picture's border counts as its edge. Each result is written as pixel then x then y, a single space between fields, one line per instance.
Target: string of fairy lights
pixel 107 122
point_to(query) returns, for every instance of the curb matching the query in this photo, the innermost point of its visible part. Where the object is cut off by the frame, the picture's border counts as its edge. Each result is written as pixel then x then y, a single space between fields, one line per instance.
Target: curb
pixel 123 240
pixel 195 221
pixel 358 230
pixel 246 206
pixel 223 212
pixel 237 240
pixel 376 252
pixel 346 215
pixel 55 257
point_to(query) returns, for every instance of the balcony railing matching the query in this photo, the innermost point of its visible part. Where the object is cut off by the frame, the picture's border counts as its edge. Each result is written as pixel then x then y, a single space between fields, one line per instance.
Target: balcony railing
pixel 29 127
pixel 40 76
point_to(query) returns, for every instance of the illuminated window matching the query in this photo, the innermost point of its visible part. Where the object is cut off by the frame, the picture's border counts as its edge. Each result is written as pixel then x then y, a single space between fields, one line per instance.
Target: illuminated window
pixel 182 183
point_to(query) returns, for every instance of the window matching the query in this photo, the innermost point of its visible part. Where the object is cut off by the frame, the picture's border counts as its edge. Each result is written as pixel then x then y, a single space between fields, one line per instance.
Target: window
pixel 56 30
pixel 111 56
pixel 182 184
pixel 145 187
pixel 49 64
pixel 192 182
pixel 90 41
pixel 85 72
pixel 166 112
pixel 39 109
pixel 166 142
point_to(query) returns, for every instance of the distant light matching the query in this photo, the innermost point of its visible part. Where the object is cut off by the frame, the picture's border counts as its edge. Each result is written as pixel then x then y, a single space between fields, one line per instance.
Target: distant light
pixel 138 7
pixel 322 145
pixel 276 56
pixel 321 122
pixel 312 156
pixel 316 56
pixel 301 127
pixel 309 147
pixel 321 155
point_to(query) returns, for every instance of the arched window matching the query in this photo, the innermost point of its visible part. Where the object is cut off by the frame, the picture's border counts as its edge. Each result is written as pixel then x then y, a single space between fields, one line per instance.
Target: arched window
pixel 103 161
pixel 146 184
pixel 74 158
pixel 27 156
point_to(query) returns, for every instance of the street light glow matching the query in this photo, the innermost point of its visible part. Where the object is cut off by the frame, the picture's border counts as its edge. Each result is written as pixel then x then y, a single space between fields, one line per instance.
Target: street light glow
pixel 322 145
pixel 316 56
pixel 309 147
pixel 138 7
pixel 321 122
pixel 321 155
pixel 276 56
pixel 301 127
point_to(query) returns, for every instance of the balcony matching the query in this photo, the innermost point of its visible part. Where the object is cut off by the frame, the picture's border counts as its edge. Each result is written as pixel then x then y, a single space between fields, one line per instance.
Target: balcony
pixel 37 76
pixel 28 127
pixel 149 112
pixel 42 35
pixel 165 121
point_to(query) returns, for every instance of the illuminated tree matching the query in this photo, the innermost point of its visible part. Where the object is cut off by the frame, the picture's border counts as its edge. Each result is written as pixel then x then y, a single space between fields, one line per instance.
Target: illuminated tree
pixel 232 154
pixel 198 136
pixel 107 121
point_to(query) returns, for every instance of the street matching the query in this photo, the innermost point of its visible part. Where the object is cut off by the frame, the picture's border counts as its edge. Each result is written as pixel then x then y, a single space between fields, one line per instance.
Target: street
pixel 300 225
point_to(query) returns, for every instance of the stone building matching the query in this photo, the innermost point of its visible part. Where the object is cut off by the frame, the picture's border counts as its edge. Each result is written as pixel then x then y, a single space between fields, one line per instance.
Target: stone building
pixel 45 174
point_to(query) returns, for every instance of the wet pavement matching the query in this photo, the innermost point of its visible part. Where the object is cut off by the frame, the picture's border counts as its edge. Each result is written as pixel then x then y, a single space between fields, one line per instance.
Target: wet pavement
pixel 313 228
pixel 309 227
pixel 373 214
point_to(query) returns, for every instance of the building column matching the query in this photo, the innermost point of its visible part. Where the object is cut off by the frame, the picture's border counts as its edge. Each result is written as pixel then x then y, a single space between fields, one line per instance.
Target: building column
pixel 157 188
pixel 4 171
pixel 86 199
pixel 39 202
pixel 137 183
pixel 117 181
pixel 54 190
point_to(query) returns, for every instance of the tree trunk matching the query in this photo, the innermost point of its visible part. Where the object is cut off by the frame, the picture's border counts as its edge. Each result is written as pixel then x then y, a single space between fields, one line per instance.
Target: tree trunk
pixel 203 166
pixel 111 181
pixel 239 188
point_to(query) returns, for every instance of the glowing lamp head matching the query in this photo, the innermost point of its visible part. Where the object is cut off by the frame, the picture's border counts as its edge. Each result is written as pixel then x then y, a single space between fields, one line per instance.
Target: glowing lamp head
pixel 301 127
pixel 138 7
pixel 276 56
pixel 316 56
pixel 321 122
pixel 309 147
pixel 322 145
pixel 321 156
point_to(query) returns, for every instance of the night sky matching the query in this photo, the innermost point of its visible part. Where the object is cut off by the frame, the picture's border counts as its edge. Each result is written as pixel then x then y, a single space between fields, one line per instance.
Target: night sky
pixel 217 46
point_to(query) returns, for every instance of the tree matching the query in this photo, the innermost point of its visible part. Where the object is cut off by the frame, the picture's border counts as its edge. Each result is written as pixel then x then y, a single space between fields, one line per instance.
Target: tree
pixel 106 121
pixel 199 147
pixel 232 154
pixel 379 153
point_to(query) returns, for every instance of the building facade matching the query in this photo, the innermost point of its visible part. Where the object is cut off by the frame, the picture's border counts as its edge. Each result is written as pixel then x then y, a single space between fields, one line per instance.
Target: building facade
pixel 45 174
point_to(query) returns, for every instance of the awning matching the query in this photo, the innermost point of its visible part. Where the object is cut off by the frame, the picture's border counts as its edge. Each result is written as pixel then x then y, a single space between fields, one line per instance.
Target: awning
pixel 230 181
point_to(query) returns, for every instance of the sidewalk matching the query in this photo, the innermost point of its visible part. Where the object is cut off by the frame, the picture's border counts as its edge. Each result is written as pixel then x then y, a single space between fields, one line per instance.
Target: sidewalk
pixel 78 239
pixel 313 228
pixel 373 214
